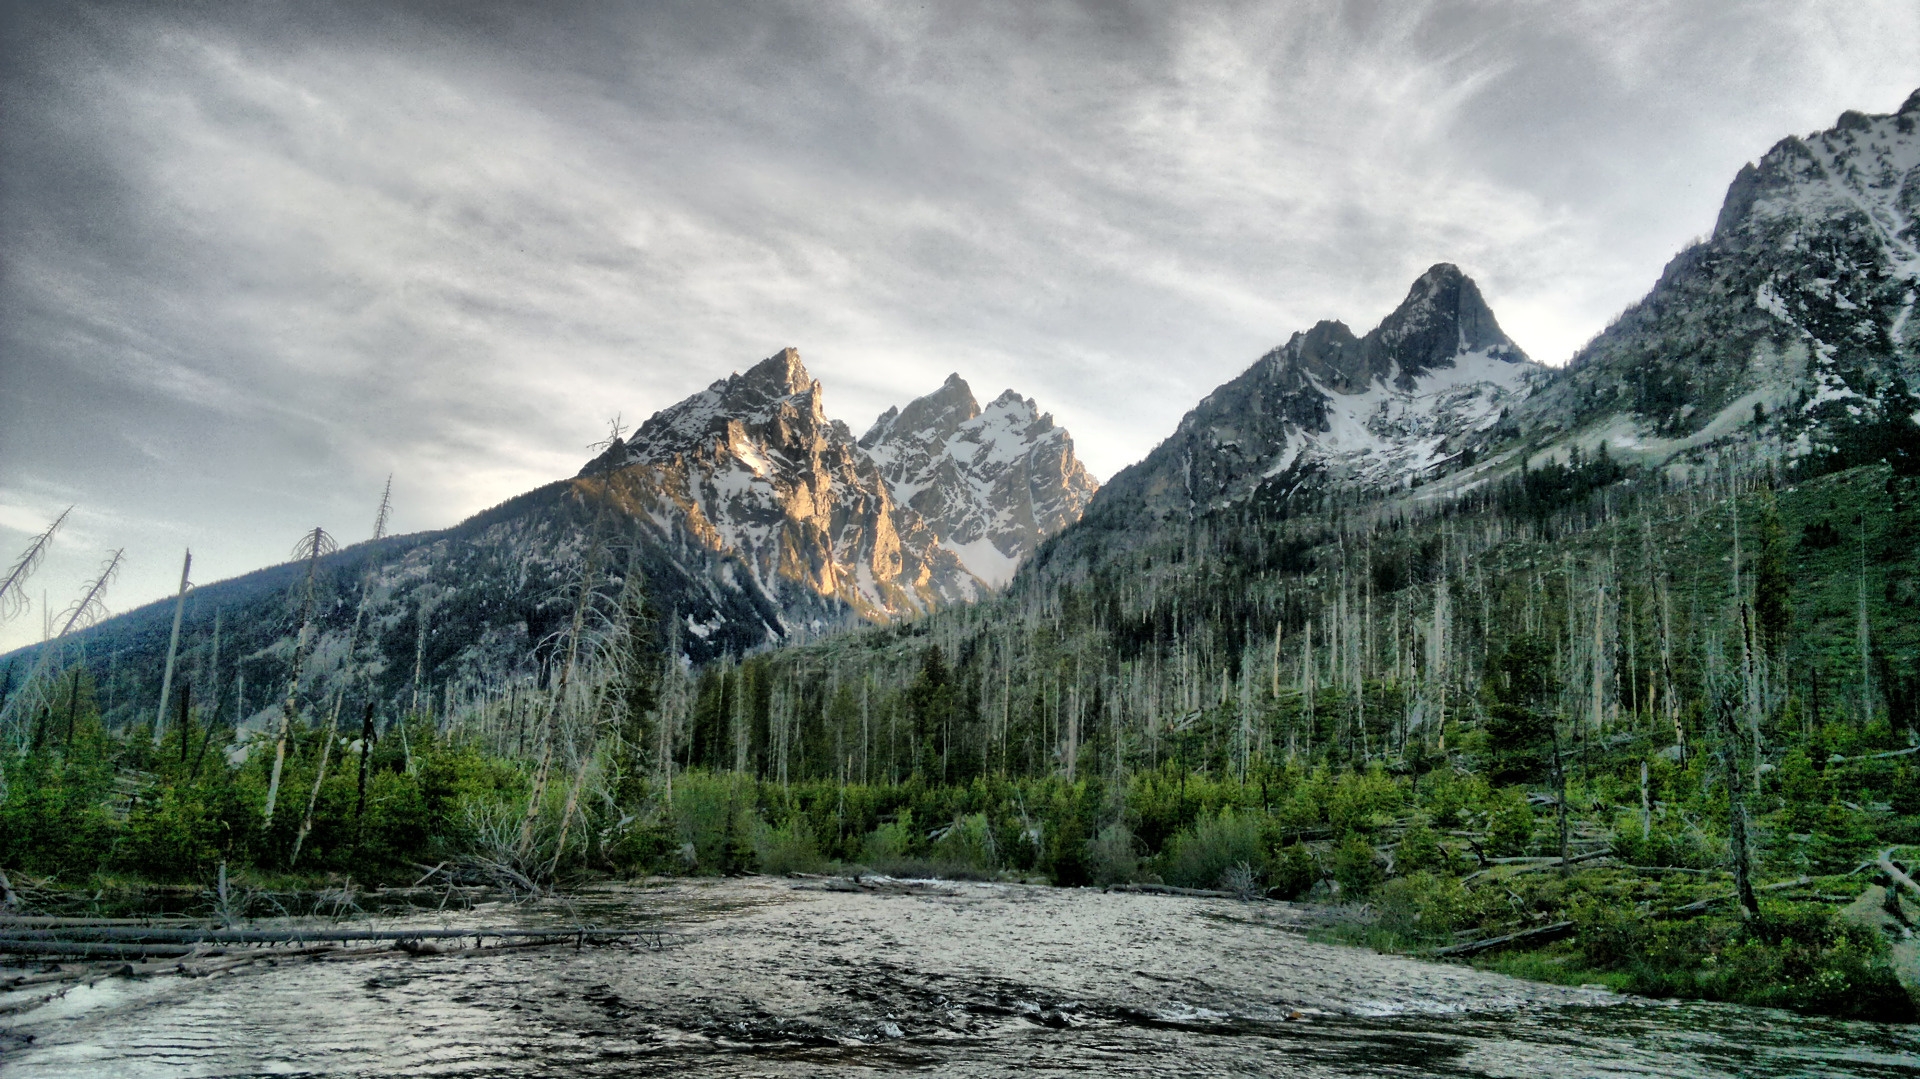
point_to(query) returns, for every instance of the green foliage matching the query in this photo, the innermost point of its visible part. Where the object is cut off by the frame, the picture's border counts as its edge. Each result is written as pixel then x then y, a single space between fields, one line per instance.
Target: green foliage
pixel 1111 857
pixel 713 819
pixel 1293 872
pixel 1790 957
pixel 1420 850
pixel 890 844
pixel 967 845
pixel 787 848
pixel 1509 823
pixel 1360 801
pixel 1199 856
pixel 1450 796
pixel 1422 907
pixel 1356 866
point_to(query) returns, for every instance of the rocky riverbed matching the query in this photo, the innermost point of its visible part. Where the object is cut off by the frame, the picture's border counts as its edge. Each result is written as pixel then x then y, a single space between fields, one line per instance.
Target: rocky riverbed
pixel 765 976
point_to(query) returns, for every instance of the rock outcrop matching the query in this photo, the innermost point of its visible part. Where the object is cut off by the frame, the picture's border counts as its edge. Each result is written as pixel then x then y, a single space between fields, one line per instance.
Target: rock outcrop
pixel 991 483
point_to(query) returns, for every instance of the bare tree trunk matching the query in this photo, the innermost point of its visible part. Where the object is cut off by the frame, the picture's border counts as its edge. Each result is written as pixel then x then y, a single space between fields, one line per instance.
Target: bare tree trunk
pixel 173 647
pixel 313 545
pixel 1726 712
pixel 366 746
pixel 319 777
pixel 559 697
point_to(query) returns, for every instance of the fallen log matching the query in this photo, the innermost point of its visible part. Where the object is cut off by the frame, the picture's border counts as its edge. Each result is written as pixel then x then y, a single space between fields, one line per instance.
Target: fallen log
pixel 103 949
pixel 41 920
pixel 166 935
pixel 1886 863
pixel 1168 889
pixel 1838 759
pixel 1703 904
pixel 1473 947
pixel 1534 864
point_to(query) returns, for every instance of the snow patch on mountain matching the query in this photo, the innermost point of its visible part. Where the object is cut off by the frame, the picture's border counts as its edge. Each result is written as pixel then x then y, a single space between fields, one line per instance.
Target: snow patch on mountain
pixel 991 483
pixel 1386 434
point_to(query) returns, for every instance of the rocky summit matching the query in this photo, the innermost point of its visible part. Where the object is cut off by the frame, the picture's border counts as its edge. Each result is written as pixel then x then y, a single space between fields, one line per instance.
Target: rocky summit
pixel 991 483
pixel 1790 325
pixel 750 473
pixel 1414 396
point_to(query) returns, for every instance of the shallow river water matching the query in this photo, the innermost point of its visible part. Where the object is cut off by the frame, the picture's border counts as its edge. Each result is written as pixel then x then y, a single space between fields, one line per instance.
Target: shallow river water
pixel 775 977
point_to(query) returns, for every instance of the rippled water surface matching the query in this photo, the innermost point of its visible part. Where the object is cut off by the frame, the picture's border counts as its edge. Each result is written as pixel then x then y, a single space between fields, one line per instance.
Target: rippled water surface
pixel 771 977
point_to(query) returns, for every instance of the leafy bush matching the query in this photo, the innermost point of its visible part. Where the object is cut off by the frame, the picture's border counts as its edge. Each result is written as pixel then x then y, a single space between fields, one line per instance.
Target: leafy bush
pixel 966 846
pixel 1509 823
pixel 711 819
pixel 788 848
pixel 1198 856
pixel 1111 858
pixel 1292 872
pixel 1356 868
pixel 1422 907
pixel 1361 799
pixel 1670 842
pixel 1789 957
pixel 1449 796
pixel 1420 850
pixel 887 846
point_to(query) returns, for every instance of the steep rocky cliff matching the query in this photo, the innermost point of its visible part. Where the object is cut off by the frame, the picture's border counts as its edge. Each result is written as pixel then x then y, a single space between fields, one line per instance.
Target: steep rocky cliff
pixel 1791 324
pixel 991 483
pixel 751 471
pixel 1380 411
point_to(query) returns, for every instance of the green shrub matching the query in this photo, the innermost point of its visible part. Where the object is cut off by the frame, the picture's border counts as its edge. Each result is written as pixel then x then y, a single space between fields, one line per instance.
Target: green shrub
pixel 1420 850
pixel 886 847
pixel 712 819
pixel 1670 842
pixel 1789 957
pixel 642 848
pixel 788 848
pixel 1111 857
pixel 1449 796
pixel 1509 823
pixel 1198 856
pixel 1355 867
pixel 1292 872
pixel 966 846
pixel 1422 907
pixel 1362 800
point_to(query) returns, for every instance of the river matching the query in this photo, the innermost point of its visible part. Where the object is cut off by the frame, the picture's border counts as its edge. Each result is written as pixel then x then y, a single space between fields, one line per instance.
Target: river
pixel 775 977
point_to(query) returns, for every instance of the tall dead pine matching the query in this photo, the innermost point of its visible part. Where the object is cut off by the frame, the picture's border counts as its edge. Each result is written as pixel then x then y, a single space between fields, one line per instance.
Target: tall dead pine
pixel 311 546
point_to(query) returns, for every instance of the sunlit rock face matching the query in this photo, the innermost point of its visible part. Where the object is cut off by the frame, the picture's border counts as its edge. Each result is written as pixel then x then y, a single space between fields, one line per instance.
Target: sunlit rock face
pixel 991 483
pixel 751 470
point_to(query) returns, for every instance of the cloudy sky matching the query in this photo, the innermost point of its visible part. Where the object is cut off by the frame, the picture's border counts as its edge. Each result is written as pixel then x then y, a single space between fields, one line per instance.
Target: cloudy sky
pixel 259 255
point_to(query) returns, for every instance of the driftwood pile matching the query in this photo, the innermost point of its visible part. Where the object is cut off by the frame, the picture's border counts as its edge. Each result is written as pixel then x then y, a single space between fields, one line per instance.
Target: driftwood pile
pixel 87 950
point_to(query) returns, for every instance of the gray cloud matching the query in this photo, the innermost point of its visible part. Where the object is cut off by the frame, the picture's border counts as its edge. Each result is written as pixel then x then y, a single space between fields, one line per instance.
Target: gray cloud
pixel 257 256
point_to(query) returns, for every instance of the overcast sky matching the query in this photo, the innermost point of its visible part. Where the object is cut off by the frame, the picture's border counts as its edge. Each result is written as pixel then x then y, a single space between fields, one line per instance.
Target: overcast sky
pixel 257 255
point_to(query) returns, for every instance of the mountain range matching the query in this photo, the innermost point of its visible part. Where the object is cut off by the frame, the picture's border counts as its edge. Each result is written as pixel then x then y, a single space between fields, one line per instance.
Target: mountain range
pixel 750 517
pixel 755 520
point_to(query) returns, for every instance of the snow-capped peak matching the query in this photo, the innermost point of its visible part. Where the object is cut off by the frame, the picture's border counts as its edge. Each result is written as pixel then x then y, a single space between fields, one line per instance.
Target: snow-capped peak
pixel 991 483
pixel 1378 411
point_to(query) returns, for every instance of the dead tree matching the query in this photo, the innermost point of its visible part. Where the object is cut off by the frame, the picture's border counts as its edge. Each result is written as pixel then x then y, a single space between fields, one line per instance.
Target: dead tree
pixel 311 547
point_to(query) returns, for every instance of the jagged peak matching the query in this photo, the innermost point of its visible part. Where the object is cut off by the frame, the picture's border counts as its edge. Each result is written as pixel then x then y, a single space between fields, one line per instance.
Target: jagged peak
pixel 882 426
pixel 1911 105
pixel 1011 401
pixel 780 374
pixel 937 413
